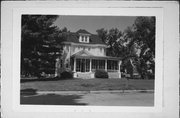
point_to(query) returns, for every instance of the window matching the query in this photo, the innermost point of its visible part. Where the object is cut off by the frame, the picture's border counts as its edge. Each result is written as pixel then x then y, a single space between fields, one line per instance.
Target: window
pixel 98 64
pixel 101 64
pixel 87 65
pixel 82 65
pixel 85 38
pixel 82 38
pixel 112 65
pixel 94 64
pixel 78 65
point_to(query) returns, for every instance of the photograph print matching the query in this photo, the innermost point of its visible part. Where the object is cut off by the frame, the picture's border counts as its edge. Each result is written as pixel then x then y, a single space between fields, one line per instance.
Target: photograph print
pixel 87 60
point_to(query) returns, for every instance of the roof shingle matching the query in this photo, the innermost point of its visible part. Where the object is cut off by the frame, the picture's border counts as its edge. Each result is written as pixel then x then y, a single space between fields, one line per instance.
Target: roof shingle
pixel 74 37
pixel 83 31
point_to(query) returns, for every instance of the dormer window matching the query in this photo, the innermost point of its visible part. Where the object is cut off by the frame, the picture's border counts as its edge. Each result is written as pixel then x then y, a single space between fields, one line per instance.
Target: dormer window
pixel 84 39
pixel 84 36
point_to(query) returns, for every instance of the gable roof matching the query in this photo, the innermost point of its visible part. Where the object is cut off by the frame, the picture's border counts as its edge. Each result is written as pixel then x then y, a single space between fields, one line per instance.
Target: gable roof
pixel 74 37
pixel 82 53
pixel 83 31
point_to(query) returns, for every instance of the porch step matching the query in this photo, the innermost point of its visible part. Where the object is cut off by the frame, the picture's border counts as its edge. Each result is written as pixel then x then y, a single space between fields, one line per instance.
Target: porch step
pixel 114 75
pixel 85 75
pixel 91 75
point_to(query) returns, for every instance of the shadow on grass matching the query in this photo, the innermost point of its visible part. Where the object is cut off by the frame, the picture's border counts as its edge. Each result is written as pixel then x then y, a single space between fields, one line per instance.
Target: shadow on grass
pixel 51 99
pixel 43 79
pixel 28 91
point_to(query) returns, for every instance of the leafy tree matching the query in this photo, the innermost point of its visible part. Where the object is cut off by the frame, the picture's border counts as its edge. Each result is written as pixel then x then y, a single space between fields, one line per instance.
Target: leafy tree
pixel 136 46
pixel 39 49
pixel 113 40
pixel 141 36
pixel 102 33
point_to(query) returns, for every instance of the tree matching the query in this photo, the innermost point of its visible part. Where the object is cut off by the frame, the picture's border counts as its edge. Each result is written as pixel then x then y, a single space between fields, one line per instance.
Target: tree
pixel 113 40
pixel 136 46
pixel 142 36
pixel 39 39
pixel 117 47
pixel 102 33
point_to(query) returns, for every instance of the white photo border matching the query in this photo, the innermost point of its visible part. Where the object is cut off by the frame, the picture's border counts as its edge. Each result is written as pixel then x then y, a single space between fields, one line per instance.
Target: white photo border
pixel 166 57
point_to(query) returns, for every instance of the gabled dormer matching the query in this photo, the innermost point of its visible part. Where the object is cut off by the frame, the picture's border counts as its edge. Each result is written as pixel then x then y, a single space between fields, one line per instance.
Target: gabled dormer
pixel 84 36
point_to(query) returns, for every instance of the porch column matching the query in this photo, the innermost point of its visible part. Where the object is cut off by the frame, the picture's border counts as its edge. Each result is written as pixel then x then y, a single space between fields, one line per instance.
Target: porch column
pixel 90 66
pixel 74 65
pixel 119 65
pixel 105 64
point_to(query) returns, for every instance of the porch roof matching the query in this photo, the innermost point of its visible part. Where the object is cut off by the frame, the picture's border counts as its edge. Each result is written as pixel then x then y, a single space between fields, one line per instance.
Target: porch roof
pixel 99 57
pixel 96 57
pixel 87 55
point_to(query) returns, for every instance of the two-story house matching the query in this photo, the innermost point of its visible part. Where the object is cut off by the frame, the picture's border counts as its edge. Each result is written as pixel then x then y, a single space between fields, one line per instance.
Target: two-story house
pixel 83 53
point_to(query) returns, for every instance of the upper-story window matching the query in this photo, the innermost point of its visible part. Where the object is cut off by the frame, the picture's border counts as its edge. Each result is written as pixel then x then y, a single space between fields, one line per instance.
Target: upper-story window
pixel 84 38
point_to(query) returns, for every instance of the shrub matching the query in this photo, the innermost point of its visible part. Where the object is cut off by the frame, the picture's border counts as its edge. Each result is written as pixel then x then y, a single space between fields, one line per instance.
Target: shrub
pixel 66 75
pixel 150 75
pixel 101 74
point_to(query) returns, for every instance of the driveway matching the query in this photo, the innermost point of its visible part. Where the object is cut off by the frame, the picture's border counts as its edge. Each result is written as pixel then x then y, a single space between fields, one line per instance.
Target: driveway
pixel 85 98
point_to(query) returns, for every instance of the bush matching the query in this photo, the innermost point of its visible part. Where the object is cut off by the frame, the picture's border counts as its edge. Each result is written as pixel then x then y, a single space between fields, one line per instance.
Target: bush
pixel 150 75
pixel 66 75
pixel 101 74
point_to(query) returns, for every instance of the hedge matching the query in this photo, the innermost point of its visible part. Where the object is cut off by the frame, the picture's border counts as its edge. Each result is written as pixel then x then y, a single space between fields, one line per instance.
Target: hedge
pixel 101 74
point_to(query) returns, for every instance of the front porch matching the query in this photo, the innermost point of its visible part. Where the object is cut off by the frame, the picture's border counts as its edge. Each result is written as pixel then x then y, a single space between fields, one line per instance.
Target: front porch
pixel 85 67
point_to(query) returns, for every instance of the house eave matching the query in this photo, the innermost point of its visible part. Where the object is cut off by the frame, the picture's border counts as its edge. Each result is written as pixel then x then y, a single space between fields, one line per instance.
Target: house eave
pixel 85 44
pixel 97 57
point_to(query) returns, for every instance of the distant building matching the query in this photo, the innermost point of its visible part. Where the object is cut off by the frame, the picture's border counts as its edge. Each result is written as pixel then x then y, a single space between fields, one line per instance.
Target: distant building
pixel 83 53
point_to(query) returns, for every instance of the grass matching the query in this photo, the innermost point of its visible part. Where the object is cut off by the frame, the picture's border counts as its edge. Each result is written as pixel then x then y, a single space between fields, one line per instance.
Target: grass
pixel 88 85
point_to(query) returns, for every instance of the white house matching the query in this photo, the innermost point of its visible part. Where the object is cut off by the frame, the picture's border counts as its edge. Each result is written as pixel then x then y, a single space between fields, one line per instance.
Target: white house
pixel 83 53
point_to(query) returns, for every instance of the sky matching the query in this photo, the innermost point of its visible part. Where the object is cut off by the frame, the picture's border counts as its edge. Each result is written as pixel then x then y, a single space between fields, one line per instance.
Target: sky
pixel 92 23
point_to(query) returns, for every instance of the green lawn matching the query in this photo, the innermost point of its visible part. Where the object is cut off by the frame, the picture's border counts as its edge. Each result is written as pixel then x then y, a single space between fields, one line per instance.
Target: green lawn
pixel 88 84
